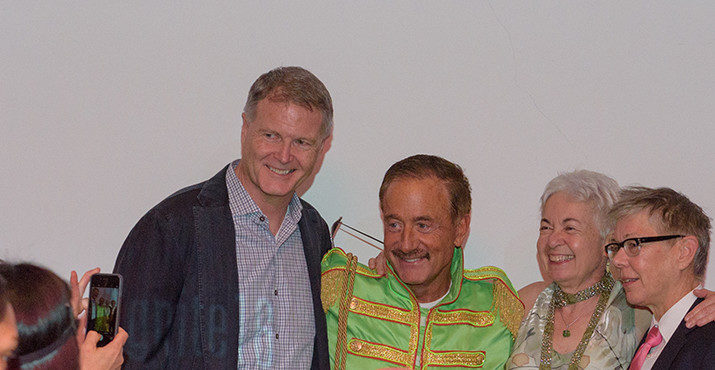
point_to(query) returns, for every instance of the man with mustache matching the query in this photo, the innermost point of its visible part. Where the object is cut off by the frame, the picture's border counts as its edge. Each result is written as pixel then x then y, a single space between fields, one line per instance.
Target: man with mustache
pixel 426 310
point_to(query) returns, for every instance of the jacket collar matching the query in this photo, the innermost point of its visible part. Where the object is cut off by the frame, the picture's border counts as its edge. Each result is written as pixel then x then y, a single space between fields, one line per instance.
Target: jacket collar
pixel 214 192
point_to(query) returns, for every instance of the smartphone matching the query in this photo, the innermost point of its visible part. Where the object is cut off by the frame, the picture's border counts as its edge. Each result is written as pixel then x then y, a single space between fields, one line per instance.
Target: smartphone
pixel 105 300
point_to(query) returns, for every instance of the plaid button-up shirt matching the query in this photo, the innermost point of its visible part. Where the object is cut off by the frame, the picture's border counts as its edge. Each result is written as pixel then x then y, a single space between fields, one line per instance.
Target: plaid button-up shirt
pixel 277 325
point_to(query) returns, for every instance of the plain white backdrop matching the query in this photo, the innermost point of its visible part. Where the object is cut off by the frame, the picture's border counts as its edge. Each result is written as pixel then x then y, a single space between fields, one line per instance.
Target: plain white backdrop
pixel 108 107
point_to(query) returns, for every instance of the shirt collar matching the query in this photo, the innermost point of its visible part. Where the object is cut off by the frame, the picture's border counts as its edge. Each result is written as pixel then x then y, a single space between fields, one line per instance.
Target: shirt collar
pixel 429 305
pixel 295 209
pixel 670 321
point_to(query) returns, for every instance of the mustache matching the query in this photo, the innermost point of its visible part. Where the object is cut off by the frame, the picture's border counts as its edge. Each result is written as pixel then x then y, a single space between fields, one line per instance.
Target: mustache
pixel 411 254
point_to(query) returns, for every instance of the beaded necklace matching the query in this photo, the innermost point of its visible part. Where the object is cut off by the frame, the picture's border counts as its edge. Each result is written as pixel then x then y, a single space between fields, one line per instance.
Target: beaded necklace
pixel 561 299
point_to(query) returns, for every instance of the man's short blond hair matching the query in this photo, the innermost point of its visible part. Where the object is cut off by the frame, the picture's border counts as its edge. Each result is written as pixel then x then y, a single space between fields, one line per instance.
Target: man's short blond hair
pixel 294 85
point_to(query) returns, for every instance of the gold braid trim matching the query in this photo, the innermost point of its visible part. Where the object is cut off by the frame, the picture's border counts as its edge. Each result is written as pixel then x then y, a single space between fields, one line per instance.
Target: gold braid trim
pixel 486 272
pixel 346 287
pixel 505 302
pixel 473 318
pixel 455 358
pixel 363 348
pixel 383 312
pixel 473 359
pixel 362 270
pixel 359 347
pixel 509 307
pixel 383 352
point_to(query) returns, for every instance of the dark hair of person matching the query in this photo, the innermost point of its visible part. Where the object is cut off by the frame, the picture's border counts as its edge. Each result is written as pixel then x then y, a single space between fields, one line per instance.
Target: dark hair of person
pixel 45 321
pixel 3 297
pixel 421 166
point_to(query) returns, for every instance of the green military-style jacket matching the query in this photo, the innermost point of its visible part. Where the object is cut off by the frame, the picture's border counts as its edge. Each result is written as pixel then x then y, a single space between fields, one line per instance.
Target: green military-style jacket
pixel 374 320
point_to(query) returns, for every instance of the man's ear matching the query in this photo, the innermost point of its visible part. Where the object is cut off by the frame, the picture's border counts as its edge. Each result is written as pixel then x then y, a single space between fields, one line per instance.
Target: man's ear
pixel 687 246
pixel 327 142
pixel 463 230
pixel 308 182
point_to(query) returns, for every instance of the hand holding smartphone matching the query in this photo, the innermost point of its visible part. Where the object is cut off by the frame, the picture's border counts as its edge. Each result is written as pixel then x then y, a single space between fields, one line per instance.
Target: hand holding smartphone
pixel 105 293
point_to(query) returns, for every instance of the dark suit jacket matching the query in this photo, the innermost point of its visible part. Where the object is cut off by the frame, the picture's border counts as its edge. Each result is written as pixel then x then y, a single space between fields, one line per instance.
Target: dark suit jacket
pixel 181 299
pixel 688 348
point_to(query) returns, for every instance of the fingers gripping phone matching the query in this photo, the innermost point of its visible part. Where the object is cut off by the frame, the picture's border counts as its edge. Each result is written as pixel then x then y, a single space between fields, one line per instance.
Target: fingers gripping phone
pixel 105 293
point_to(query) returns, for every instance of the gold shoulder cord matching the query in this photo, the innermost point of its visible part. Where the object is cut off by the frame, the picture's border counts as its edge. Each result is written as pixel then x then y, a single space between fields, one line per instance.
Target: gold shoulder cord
pixel 341 347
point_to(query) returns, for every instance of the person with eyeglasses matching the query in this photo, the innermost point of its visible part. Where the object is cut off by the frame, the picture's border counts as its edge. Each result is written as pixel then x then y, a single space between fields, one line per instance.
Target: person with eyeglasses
pixel 581 318
pixel 659 253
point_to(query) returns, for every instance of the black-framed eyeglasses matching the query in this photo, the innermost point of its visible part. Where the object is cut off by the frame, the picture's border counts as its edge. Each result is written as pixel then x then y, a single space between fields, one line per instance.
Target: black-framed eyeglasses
pixel 632 246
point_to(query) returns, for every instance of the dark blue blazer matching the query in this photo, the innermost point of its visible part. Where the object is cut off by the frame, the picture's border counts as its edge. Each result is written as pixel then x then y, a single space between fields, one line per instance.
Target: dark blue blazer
pixel 180 303
pixel 692 348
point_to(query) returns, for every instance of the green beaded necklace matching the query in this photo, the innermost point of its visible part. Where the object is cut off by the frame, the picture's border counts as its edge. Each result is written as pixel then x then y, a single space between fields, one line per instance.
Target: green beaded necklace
pixel 561 299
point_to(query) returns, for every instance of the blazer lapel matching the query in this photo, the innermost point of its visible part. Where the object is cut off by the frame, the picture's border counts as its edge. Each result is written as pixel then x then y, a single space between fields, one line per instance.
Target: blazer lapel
pixel 217 272
pixel 311 248
pixel 676 342
pixel 309 224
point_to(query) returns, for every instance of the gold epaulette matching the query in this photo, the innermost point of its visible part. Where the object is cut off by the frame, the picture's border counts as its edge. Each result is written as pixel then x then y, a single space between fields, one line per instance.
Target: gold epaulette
pixel 505 302
pixel 332 277
pixel 337 281
pixel 333 274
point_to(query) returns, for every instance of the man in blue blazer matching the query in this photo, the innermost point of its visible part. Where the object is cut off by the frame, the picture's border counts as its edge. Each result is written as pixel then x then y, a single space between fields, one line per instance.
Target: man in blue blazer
pixel 659 253
pixel 225 274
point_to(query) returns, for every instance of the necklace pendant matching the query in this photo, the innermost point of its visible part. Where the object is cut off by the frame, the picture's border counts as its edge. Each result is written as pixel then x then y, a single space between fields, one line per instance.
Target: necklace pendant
pixel 566 333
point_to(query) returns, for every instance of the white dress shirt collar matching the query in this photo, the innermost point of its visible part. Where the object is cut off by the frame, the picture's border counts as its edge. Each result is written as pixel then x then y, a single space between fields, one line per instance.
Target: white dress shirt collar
pixel 672 318
pixel 667 325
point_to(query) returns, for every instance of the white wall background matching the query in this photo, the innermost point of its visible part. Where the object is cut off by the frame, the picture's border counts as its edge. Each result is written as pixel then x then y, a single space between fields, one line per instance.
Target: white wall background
pixel 108 107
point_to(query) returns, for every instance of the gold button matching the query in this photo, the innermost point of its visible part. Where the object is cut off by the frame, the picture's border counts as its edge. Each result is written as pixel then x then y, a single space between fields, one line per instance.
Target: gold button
pixel 353 303
pixel 355 346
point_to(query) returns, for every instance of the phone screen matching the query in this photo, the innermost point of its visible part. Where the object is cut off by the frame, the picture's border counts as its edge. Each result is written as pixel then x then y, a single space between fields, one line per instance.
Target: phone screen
pixel 105 292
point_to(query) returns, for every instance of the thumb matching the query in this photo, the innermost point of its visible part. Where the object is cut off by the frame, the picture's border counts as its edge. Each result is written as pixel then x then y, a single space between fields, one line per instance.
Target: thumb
pixel 120 338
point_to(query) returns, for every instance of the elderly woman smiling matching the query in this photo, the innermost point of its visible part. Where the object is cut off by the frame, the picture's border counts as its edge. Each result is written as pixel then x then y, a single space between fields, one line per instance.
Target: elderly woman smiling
pixel 582 319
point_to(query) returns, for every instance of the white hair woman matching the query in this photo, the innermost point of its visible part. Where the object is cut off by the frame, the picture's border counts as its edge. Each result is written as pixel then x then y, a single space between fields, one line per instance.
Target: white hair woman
pixel 582 319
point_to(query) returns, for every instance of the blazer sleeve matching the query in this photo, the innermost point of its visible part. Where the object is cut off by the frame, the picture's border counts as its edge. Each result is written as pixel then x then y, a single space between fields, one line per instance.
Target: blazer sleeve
pixel 149 263
pixel 698 351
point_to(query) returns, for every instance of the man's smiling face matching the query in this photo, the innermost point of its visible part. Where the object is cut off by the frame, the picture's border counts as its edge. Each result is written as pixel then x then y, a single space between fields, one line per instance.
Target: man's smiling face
pixel 420 234
pixel 279 148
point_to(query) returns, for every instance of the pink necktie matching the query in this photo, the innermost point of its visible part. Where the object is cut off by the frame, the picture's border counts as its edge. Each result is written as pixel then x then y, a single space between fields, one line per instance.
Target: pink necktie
pixel 651 340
